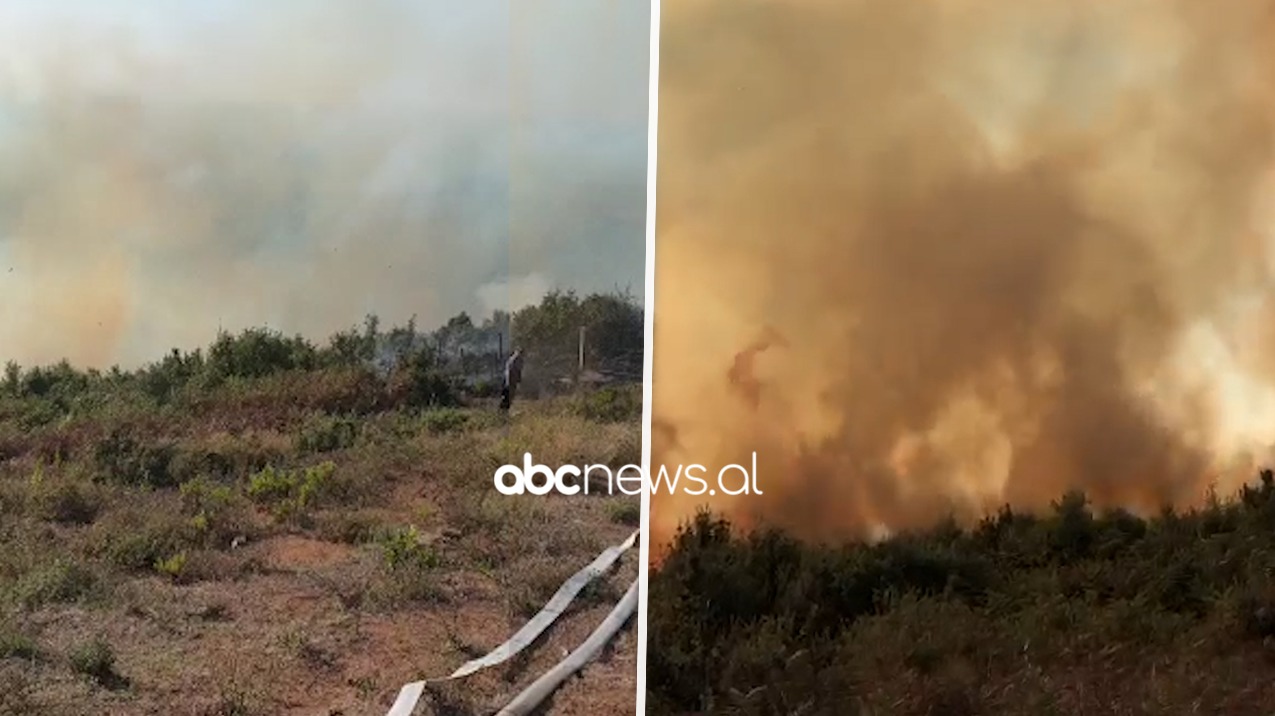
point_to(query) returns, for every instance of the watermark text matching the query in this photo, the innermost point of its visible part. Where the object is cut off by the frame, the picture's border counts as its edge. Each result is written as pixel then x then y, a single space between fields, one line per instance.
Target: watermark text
pixel 536 479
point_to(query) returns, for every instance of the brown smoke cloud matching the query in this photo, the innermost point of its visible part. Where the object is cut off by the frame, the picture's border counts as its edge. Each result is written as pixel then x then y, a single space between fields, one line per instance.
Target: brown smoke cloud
pixel 1010 249
pixel 302 164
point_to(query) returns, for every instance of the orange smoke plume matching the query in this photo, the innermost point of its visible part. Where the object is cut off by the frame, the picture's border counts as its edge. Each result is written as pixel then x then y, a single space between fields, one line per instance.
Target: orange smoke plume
pixel 1012 249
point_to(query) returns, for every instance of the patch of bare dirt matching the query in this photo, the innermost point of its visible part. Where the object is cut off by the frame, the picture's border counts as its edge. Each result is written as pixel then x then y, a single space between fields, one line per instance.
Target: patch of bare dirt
pixel 293 552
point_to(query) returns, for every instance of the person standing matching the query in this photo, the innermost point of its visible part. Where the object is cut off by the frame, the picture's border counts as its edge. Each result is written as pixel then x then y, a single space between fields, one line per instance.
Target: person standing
pixel 513 376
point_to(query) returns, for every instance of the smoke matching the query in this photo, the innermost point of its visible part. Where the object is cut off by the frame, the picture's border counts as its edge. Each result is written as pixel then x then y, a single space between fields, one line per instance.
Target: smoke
pixel 169 171
pixel 1000 249
pixel 513 294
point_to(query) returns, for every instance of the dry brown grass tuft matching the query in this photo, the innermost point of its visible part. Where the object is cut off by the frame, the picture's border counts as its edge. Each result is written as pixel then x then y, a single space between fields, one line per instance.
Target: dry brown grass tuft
pixel 145 568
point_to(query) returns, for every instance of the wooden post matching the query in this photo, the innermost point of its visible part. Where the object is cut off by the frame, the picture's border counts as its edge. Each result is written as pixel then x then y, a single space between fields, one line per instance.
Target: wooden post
pixel 579 387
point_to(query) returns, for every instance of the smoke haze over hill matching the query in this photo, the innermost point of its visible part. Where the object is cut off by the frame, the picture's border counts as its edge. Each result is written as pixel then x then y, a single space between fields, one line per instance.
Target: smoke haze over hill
pixel 166 169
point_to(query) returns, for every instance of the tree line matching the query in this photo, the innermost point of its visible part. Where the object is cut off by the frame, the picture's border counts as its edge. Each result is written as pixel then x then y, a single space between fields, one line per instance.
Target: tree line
pixel 461 358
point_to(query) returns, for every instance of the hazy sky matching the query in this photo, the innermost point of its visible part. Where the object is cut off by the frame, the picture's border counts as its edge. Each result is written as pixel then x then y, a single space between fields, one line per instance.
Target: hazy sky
pixel 166 168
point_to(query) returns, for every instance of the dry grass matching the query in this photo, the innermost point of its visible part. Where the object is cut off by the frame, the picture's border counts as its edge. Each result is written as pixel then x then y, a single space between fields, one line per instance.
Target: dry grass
pixel 259 552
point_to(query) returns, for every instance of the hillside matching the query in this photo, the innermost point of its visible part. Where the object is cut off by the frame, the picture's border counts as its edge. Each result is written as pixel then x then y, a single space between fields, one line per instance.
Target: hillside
pixel 268 526
pixel 1072 612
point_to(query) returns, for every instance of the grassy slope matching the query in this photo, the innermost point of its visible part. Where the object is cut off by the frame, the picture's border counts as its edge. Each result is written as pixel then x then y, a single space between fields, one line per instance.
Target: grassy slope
pixel 280 545
pixel 1068 613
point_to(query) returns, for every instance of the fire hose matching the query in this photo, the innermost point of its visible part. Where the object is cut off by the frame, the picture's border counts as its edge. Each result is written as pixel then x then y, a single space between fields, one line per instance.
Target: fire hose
pixel 410 694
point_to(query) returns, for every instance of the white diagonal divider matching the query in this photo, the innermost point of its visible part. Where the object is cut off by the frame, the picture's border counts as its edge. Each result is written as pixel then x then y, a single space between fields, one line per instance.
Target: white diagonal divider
pixel 410 694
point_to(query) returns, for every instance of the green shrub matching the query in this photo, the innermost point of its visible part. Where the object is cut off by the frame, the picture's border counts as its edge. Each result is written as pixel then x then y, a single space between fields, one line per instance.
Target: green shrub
pixel 14 645
pixel 189 464
pixel 445 420
pixel 485 388
pixel 257 353
pixel 420 383
pixel 346 527
pixel 12 382
pixel 290 494
pixel 204 496
pixel 217 512
pixel 65 501
pixel 173 567
pixel 611 404
pixel 138 537
pixel 164 380
pixel 41 412
pixel 96 660
pixel 141 551
pixel 58 582
pixel 327 434
pixel 402 549
pixel 628 513
pixel 410 567
pixel 120 458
